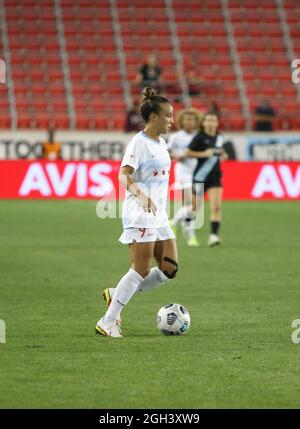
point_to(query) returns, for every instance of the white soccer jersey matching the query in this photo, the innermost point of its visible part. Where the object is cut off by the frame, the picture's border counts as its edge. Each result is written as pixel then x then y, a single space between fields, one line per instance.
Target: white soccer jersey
pixel 184 169
pixel 178 143
pixel 151 162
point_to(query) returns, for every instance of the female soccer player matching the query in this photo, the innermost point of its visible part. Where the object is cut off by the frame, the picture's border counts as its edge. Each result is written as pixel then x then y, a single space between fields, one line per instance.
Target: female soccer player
pixel 206 147
pixel 187 121
pixel 144 173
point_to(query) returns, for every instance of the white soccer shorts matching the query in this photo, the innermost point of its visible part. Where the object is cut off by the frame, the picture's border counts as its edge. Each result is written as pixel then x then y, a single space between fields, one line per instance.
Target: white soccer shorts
pixel 145 235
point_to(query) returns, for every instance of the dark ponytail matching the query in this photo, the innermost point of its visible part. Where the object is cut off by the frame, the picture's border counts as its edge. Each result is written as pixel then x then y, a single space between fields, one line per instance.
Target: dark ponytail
pixel 151 103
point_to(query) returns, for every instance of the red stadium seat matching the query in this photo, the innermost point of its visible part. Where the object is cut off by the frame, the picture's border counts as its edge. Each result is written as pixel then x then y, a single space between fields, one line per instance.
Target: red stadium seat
pixel 96 83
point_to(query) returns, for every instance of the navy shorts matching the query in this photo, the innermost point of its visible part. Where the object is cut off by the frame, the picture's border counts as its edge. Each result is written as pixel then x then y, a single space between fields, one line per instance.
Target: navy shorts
pixel 212 181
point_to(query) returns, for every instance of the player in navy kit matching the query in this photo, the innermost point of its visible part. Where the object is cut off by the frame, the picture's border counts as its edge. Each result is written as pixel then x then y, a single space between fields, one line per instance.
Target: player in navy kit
pixel 207 148
pixel 144 173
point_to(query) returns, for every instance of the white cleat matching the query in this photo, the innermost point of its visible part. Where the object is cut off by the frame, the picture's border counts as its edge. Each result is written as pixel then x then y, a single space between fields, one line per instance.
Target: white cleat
pixel 108 330
pixel 213 240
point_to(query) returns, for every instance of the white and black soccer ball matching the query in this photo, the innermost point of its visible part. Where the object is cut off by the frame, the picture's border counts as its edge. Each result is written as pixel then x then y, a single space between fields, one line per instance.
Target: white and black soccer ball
pixel 173 319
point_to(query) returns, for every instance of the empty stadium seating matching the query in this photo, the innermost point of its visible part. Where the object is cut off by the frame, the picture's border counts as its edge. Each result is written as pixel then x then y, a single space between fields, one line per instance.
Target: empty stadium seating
pixel 89 49
pixel 207 46
pixel 264 60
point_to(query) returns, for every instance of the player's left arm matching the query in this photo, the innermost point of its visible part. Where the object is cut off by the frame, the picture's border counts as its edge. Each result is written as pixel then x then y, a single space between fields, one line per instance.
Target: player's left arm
pixel 170 147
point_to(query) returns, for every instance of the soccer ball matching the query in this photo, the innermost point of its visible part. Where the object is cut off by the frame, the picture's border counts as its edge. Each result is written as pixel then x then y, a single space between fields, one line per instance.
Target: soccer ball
pixel 173 319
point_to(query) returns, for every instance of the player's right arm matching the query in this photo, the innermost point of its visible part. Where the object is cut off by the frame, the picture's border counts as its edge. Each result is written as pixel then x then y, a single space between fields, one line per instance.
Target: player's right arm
pixel 125 179
pixel 197 149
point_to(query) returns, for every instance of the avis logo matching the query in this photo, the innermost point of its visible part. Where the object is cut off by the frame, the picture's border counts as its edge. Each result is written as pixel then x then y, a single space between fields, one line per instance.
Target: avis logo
pixel 2 71
pixel 296 73
pixel 277 180
pixel 49 180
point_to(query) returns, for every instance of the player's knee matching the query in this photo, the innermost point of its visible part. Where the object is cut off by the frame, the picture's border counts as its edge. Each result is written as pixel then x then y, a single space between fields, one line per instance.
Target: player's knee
pixel 217 209
pixel 169 267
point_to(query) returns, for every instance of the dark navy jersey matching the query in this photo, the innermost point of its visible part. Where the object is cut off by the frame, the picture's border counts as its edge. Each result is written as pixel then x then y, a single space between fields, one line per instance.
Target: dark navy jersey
pixel 200 143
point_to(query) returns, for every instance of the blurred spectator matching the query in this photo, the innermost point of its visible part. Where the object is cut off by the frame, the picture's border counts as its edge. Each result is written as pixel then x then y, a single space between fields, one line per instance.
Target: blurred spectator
pixel 134 121
pixel 194 80
pixel 149 73
pixel 264 116
pixel 51 148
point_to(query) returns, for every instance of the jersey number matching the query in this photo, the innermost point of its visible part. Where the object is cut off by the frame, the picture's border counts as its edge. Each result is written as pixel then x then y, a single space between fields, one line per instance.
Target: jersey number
pixel 142 230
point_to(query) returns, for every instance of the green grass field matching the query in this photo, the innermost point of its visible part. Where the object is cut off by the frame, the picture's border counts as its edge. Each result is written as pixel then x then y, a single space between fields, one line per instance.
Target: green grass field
pixel 243 296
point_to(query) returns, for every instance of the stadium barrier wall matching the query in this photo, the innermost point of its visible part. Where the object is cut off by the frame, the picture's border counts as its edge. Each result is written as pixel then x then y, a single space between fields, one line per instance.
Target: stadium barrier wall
pixel 275 147
pixel 98 180
pixel 95 145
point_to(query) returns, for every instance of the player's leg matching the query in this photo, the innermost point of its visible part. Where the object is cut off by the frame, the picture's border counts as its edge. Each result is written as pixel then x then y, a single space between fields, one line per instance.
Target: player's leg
pixel 192 198
pixel 187 213
pixel 141 255
pixel 181 213
pixel 215 204
pixel 183 182
pixel 189 222
pixel 165 254
pixel 198 191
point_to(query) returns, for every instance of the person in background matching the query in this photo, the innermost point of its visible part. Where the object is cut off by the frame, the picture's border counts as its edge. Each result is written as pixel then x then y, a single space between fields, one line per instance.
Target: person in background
pixel 194 80
pixel 187 122
pixel 207 148
pixel 51 148
pixel 134 120
pixel 150 73
pixel 264 116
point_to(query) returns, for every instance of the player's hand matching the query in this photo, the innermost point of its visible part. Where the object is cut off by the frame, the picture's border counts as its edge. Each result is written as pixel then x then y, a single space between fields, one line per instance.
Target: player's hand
pixel 147 204
pixel 209 153
pixel 218 151
pixel 224 156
